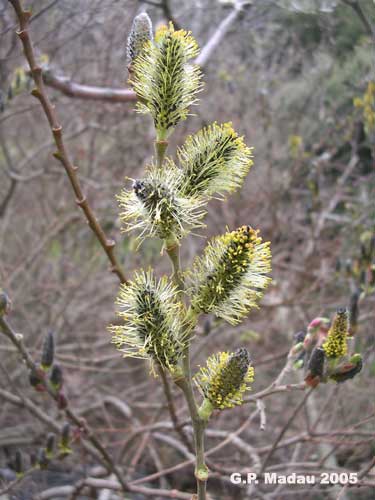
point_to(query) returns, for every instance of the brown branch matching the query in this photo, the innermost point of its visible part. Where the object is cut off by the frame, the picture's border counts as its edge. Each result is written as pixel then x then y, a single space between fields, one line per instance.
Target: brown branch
pixel 112 485
pixel 61 154
pixel 172 410
pixel 118 95
pixel 11 190
pixel 14 483
pixel 283 431
pixel 218 35
pixel 87 433
pixel 362 473
pixel 228 440
pixel 87 92
pixel 23 402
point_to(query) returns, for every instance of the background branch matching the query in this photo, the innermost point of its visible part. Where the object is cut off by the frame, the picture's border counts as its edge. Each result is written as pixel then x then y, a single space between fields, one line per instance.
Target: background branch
pixel 57 131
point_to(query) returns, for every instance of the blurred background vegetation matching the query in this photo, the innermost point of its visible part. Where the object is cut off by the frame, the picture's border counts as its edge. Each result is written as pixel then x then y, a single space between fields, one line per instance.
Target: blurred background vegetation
pixel 297 80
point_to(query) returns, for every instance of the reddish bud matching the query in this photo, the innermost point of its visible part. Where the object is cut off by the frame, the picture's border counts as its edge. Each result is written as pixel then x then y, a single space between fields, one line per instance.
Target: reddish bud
pixel 62 402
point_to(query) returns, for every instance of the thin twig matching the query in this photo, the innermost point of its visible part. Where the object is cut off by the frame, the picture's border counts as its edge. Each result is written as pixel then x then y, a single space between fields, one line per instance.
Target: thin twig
pixel 283 430
pixel 57 131
pixel 172 410
pixel 17 341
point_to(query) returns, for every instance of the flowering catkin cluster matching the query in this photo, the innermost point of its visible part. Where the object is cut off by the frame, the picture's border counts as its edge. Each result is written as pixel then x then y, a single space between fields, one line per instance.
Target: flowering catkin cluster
pixel 336 344
pixel 167 203
pixel 224 379
pixel 152 325
pixel 228 280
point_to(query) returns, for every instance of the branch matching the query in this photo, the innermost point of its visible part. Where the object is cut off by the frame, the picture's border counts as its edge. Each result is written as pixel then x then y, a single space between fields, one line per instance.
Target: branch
pixel 172 409
pixel 283 431
pixel 59 491
pixel 57 131
pixel 217 37
pixel 118 95
pixel 362 473
pixel 166 8
pixel 87 92
pixel 11 190
pixel 31 407
pixel 17 341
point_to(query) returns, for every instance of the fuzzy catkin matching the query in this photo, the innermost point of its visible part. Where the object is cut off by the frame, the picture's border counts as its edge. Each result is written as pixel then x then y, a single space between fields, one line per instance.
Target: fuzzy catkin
pixel 140 34
pixel 224 379
pixel 336 344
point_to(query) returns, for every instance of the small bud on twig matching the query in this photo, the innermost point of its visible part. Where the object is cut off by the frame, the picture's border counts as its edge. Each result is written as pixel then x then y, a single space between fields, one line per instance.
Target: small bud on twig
pixel 4 303
pixel 33 459
pixel 315 368
pixel 48 351
pixel 347 370
pixel 141 32
pixel 42 458
pixel 51 440
pixel 62 402
pixel 19 463
pixel 65 434
pixel 36 379
pixel 56 377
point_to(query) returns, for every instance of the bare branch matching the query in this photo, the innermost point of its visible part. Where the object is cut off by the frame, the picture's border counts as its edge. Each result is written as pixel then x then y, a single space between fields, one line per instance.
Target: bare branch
pixel 57 131
pixel 87 92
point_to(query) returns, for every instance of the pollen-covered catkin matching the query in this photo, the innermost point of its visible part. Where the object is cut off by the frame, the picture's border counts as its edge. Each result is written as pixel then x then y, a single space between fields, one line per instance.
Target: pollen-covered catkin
pixel 156 206
pixel 224 379
pixel 164 80
pixel 214 160
pixel 152 325
pixel 336 344
pixel 228 280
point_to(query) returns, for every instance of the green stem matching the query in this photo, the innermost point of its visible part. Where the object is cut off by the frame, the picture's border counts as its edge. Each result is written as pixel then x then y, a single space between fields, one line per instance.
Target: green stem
pixel 199 425
pixel 185 382
pixel 173 251
pixel 160 149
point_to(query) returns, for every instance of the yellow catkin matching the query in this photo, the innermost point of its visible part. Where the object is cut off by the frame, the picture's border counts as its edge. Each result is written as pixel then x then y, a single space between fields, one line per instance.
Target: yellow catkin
pixel 336 344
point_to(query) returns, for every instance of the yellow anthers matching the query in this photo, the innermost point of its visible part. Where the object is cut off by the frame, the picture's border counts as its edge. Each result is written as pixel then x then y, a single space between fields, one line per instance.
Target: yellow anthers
pixel 152 321
pixel 225 378
pixel 214 160
pixel 156 206
pixel 163 79
pixel 160 33
pixel 141 32
pixel 336 344
pixel 228 280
